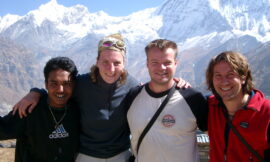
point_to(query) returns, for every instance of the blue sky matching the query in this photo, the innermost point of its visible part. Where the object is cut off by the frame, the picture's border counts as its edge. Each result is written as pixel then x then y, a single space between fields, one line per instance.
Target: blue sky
pixel 112 7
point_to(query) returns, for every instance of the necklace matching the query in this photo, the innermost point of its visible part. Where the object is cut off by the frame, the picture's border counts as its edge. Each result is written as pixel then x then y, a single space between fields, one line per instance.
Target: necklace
pixel 54 119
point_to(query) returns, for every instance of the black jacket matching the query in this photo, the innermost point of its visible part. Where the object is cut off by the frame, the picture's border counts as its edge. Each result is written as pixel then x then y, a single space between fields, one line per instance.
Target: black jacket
pixel 37 139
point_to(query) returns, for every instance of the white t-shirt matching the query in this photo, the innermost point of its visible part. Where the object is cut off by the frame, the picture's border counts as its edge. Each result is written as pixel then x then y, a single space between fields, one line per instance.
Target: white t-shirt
pixel 172 138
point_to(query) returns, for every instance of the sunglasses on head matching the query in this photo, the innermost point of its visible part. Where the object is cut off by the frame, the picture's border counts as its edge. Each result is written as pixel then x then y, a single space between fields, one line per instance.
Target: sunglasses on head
pixel 112 42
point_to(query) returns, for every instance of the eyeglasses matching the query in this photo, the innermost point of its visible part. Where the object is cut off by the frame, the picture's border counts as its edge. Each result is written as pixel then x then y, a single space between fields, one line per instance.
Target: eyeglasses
pixel 112 42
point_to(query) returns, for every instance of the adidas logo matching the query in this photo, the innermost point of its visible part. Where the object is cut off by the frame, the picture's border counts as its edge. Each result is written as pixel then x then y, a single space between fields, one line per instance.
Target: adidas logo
pixel 60 132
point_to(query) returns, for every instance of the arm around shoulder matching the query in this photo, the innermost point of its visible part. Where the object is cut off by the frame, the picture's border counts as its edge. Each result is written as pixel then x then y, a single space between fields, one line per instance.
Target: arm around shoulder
pixel 28 102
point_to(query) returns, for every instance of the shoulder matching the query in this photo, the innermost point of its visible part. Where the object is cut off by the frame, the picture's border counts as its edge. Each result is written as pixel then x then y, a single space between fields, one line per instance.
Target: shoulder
pixel 9 117
pixel 194 98
pixel 83 82
pixel 259 102
pixel 132 94
pixel 83 77
pixel 198 105
pixel 41 106
pixel 134 91
pixel 266 106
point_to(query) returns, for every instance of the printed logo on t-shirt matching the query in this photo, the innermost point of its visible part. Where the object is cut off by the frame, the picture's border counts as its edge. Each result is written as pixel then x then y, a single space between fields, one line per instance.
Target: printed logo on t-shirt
pixel 60 132
pixel 168 120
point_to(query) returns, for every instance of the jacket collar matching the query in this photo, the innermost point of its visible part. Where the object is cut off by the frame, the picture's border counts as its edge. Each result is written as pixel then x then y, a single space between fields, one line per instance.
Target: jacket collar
pixel 256 100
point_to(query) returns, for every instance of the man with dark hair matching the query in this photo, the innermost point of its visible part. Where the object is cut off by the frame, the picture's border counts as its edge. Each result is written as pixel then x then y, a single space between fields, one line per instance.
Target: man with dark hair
pixel 50 133
pixel 236 101
pixel 172 137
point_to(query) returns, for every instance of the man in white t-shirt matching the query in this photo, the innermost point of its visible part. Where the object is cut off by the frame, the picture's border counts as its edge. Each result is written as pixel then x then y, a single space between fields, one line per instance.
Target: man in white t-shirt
pixel 172 138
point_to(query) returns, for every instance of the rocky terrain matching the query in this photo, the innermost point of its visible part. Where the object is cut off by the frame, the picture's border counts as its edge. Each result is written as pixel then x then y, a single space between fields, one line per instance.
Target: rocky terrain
pixel 7 150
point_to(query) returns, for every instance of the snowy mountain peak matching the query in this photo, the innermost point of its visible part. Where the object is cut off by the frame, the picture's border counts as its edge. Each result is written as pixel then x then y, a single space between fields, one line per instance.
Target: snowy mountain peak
pixel 197 17
pixel 250 17
pixel 50 11
pixel 8 20
pixel 190 18
pixel 57 13
pixel 187 18
pixel 73 20
pixel 214 4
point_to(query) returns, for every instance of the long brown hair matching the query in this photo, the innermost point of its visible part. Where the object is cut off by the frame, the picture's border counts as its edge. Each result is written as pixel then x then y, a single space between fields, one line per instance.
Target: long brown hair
pixel 239 64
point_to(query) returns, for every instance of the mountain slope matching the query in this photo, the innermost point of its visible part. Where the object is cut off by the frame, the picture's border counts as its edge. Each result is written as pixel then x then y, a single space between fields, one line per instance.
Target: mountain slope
pixel 259 59
pixel 188 18
pixel 19 71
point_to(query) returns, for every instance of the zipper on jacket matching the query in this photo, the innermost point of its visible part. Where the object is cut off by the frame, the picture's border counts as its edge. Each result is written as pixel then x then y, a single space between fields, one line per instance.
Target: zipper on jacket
pixel 226 139
pixel 250 158
pixel 225 157
pixel 226 130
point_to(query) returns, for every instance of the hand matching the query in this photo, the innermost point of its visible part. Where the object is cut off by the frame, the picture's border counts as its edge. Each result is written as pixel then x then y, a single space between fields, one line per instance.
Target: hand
pixel 181 83
pixel 28 102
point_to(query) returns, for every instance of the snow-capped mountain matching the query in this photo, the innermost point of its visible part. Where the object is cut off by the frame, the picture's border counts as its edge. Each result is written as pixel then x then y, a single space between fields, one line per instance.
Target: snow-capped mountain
pixel 8 20
pixel 247 17
pixel 57 27
pixel 201 28
pixel 185 19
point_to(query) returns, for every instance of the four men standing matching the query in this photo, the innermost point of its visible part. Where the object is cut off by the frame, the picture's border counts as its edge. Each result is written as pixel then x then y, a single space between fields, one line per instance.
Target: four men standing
pixel 104 103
